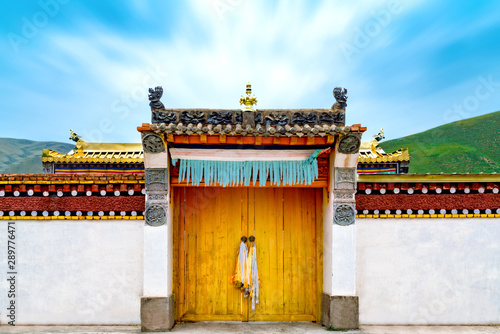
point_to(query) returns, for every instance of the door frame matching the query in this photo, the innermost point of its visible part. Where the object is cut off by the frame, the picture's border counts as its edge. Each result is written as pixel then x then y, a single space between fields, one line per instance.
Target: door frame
pixel 178 250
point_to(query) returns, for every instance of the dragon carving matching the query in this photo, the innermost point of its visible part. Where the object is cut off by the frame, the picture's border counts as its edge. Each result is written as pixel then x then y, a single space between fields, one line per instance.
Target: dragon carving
pixel 380 135
pixel 340 95
pixel 73 136
pixel 155 96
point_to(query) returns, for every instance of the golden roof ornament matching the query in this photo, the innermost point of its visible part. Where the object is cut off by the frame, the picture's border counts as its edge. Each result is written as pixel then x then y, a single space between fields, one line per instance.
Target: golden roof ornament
pixel 248 101
pixel 80 144
pixel 73 136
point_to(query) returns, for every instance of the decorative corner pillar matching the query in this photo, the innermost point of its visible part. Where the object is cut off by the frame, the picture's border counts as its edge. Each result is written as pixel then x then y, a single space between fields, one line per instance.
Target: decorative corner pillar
pixel 157 302
pixel 340 305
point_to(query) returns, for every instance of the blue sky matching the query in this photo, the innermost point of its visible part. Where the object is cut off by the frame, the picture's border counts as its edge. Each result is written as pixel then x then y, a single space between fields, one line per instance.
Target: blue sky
pixel 86 65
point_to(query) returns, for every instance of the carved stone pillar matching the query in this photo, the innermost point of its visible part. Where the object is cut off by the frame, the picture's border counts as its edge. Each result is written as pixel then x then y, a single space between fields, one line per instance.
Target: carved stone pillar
pixel 157 303
pixel 340 308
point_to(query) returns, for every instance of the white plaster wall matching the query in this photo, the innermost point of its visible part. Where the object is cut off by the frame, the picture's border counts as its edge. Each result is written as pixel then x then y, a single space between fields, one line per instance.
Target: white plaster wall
pixel 75 272
pixel 158 260
pixel 428 271
pixel 339 255
pixel 343 260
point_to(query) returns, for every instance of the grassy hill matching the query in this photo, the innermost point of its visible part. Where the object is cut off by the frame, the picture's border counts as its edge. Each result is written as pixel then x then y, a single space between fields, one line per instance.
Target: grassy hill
pixel 468 146
pixel 24 156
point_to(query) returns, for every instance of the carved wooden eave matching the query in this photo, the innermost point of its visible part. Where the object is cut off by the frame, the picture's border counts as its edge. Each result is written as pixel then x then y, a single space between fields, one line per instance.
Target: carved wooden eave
pixel 233 138
pixel 266 127
pixel 261 116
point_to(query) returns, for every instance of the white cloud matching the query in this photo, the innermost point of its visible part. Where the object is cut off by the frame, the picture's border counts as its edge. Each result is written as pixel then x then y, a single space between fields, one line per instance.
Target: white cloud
pixel 285 52
pixel 289 51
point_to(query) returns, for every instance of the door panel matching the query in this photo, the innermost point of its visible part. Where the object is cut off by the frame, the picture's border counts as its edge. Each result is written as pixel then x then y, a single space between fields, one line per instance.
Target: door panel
pixel 300 252
pixel 267 227
pixel 285 231
pixel 209 223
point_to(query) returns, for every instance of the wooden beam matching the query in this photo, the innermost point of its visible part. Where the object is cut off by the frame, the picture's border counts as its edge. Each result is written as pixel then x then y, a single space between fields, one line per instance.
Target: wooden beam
pixel 174 182
pixel 248 140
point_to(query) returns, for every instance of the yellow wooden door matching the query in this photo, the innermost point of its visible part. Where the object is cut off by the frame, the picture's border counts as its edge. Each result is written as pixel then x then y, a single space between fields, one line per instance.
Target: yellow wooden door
pixel 209 225
pixel 286 223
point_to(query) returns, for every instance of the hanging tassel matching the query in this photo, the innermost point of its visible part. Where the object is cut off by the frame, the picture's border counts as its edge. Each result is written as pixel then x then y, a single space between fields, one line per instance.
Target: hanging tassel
pixel 182 171
pixel 236 173
pixel 316 153
pixel 255 169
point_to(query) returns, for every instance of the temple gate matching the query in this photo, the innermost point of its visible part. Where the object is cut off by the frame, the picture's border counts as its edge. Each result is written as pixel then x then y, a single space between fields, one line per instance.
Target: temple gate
pixel 282 179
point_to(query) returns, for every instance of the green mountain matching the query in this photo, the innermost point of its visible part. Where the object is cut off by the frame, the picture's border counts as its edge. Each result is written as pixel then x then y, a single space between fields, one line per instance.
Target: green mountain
pixel 467 146
pixel 25 156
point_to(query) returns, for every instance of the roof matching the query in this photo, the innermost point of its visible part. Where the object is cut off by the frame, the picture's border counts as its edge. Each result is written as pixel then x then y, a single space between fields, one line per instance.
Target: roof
pixel 97 153
pixel 261 122
pixel 251 126
pixel 370 152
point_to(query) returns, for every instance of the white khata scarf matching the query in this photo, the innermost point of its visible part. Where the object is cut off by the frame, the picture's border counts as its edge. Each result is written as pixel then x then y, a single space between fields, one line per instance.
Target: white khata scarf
pixel 246 274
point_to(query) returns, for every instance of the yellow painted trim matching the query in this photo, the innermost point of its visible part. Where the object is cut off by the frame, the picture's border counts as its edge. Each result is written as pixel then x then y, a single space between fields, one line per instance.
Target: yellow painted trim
pixel 64 182
pixel 428 178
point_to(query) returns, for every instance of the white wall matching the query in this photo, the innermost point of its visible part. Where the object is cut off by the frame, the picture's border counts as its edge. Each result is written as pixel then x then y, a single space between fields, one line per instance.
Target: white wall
pixel 409 271
pixel 158 260
pixel 428 271
pixel 75 272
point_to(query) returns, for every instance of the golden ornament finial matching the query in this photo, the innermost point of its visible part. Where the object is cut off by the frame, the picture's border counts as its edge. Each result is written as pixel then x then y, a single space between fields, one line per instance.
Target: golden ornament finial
pixel 73 136
pixel 248 101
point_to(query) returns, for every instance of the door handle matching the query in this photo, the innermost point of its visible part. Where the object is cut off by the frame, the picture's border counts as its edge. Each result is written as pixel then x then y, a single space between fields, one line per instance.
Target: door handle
pixel 244 239
pixel 251 239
